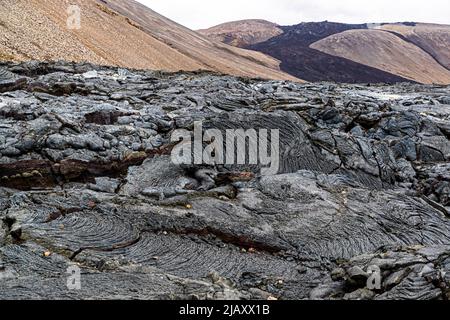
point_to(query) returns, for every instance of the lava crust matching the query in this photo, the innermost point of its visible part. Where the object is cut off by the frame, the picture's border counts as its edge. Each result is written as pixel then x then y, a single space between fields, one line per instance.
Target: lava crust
pixel 86 180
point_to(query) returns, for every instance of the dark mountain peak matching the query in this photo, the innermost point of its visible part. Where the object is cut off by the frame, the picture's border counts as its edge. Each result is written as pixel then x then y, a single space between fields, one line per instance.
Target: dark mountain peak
pixel 306 33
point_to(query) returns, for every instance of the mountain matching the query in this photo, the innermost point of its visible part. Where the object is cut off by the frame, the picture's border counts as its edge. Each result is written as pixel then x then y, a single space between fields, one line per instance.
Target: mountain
pixel 293 49
pixel 385 51
pixel 119 33
pixel 358 53
pixel 243 33
pixel 432 38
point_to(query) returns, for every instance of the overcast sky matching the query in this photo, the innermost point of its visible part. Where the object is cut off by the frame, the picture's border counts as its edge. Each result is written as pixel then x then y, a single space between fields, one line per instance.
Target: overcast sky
pixel 197 14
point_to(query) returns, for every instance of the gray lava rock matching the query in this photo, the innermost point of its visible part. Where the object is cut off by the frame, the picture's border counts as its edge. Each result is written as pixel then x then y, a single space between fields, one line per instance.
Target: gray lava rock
pixel 87 179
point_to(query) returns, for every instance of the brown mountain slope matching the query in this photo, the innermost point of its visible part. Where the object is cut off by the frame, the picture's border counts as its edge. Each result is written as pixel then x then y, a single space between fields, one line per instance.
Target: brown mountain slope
pixel 385 51
pixel 432 38
pixel 122 33
pixel 297 58
pixel 290 45
pixel 243 33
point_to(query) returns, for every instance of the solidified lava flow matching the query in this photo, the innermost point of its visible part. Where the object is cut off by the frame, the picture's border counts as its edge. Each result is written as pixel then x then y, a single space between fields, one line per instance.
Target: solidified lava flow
pixel 87 180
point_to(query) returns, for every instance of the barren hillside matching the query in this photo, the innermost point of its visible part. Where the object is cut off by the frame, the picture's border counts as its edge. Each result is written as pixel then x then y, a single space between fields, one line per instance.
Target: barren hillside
pixel 123 33
pixel 432 38
pixel 317 51
pixel 298 59
pixel 243 33
pixel 385 51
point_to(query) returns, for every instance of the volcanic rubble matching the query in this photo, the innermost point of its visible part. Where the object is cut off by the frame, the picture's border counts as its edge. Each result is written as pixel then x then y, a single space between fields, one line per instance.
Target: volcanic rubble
pixel 86 180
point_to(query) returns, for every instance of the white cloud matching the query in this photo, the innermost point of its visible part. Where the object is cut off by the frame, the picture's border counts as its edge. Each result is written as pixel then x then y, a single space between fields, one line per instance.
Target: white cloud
pixel 198 14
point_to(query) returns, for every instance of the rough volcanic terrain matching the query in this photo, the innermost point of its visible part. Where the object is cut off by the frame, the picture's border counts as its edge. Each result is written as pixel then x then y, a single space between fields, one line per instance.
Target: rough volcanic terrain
pixel 86 180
